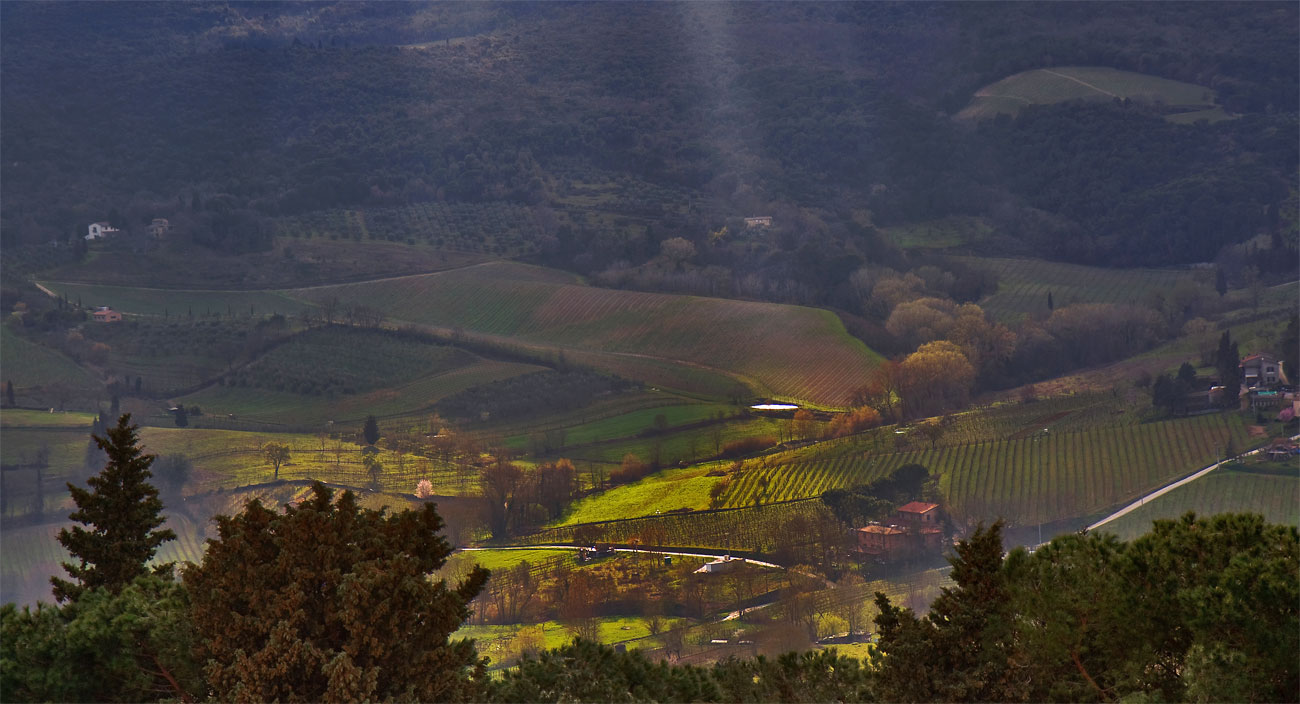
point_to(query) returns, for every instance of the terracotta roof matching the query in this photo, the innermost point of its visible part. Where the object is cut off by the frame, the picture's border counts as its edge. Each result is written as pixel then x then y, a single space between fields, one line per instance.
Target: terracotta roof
pixel 918 507
pixel 882 530
pixel 1257 355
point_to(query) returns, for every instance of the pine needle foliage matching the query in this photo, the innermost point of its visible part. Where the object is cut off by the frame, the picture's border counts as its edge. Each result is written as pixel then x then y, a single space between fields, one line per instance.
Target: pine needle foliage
pixel 330 602
pixel 121 511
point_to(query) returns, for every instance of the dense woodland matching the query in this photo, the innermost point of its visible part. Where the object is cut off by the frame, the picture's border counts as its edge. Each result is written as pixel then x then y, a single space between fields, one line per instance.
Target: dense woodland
pixel 225 116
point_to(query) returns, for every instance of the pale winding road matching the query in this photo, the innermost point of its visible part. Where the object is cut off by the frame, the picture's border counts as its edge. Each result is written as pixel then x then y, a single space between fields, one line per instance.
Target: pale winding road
pixel 1170 487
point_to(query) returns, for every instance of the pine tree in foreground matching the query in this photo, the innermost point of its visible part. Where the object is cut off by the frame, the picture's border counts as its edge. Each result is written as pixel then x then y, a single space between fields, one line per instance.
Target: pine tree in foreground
pixel 331 602
pixel 121 511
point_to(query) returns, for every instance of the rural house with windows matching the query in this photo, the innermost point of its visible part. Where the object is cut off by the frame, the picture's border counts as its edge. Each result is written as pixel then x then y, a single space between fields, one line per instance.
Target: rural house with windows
pixel 100 230
pixel 914 531
pixel 104 314
pixel 1260 370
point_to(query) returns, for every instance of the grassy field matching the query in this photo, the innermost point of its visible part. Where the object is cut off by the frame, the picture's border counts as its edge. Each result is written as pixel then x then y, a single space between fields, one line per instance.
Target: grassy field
pixel 271 406
pixel 1063 83
pixel 667 490
pixel 1023 284
pixel 30 365
pixel 12 418
pixel 784 351
pixel 945 233
pixel 1277 498
pixel 689 445
pixel 626 424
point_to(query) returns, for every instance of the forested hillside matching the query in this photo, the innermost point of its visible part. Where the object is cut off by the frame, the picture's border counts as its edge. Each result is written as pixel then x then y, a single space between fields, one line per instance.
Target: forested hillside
pixel 667 120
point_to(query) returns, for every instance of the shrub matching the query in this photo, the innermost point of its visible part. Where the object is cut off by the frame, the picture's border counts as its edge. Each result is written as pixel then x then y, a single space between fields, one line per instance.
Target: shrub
pixel 747 446
pixel 854 421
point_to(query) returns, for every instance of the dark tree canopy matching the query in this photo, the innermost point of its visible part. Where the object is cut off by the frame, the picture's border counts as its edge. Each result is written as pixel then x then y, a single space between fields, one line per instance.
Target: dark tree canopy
pixel 330 602
pixel 122 511
pixel 371 431
pixel 133 646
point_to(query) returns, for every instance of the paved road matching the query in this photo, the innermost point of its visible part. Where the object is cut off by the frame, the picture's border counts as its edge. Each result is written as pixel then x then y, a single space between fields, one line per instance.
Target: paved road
pixel 656 551
pixel 1166 489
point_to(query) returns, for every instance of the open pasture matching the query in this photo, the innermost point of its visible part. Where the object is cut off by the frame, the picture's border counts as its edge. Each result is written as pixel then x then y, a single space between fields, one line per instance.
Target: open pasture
pixel 786 351
pixel 1023 285
pixel 1030 479
pixel 1045 86
pixel 1277 498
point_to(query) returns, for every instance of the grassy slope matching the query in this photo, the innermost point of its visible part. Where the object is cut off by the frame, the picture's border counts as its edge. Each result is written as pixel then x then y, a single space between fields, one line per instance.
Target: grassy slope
pixel 1063 83
pixel 271 406
pixel 28 364
pixel 667 490
pixel 1023 284
pixel 630 424
pixel 786 351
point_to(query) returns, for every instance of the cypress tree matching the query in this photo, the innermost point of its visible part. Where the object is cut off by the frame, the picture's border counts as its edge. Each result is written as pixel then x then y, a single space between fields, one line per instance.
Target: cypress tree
pixel 122 511
pixel 371 430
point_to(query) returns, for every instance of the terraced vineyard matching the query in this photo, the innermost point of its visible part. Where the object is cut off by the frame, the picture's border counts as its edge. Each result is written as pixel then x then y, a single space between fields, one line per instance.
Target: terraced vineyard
pixel 1027 479
pixel 784 351
pixel 1221 491
pixel 1023 284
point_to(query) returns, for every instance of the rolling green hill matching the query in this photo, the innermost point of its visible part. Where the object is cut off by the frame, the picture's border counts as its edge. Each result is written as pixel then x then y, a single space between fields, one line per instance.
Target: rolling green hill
pixel 1023 284
pixel 783 351
pixel 27 364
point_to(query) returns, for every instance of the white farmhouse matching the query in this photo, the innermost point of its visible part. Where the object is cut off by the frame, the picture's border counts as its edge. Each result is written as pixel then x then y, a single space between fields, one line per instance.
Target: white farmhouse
pixel 100 230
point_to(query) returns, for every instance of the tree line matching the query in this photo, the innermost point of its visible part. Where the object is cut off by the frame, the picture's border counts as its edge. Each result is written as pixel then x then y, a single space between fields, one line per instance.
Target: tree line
pixel 327 601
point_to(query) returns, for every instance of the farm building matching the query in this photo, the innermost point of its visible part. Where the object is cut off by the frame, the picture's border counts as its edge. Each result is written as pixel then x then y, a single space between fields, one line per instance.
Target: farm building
pixel 1260 370
pixel 100 230
pixel 159 227
pixel 919 514
pixel 916 532
pixel 725 563
pixel 760 221
pixel 104 314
